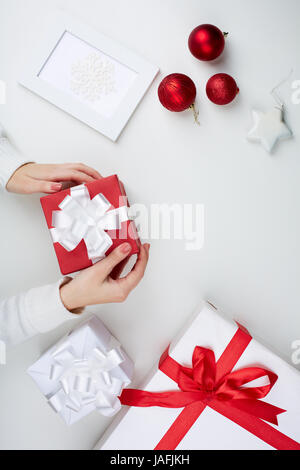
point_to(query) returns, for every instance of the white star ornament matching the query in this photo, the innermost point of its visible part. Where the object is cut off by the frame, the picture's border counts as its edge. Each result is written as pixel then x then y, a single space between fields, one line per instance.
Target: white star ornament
pixel 269 128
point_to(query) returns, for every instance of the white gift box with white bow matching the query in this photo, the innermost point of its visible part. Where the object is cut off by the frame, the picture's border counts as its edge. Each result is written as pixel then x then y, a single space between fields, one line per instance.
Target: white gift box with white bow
pixel 85 371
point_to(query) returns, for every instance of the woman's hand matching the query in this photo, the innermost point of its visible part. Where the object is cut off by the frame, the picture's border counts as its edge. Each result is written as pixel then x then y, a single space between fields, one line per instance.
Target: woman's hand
pixel 95 285
pixel 43 178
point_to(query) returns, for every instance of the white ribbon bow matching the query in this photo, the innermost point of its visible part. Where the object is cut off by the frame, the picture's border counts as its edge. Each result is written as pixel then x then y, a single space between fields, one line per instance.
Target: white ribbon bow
pixel 83 218
pixel 86 381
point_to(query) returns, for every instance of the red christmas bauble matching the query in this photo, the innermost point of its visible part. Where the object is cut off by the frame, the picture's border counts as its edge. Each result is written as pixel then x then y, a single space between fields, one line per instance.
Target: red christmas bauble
pixel 206 42
pixel 177 92
pixel 221 88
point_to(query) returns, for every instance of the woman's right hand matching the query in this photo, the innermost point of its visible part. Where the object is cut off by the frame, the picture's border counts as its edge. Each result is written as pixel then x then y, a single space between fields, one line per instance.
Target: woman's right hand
pixel 96 285
pixel 48 178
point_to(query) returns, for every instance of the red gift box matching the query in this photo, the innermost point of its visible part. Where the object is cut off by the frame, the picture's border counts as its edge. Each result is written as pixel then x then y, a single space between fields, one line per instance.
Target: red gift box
pixel 75 208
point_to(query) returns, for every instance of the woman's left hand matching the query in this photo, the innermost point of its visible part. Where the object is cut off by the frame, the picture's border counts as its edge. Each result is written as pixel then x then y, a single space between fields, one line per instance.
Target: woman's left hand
pixel 96 284
pixel 48 178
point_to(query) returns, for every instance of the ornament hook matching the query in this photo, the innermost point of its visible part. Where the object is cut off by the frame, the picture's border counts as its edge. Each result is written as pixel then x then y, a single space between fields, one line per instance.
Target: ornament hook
pixel 196 113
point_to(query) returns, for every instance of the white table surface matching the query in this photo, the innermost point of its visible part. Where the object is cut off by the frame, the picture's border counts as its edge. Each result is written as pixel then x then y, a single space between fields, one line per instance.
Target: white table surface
pixel 249 264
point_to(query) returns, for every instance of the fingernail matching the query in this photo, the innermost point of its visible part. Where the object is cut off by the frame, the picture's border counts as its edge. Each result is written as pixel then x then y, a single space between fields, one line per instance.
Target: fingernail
pixel 125 248
pixel 56 186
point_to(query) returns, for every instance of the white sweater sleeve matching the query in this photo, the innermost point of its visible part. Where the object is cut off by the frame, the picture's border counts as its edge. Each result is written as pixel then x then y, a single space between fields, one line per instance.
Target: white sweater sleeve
pixel 10 160
pixel 36 311
pixel 40 309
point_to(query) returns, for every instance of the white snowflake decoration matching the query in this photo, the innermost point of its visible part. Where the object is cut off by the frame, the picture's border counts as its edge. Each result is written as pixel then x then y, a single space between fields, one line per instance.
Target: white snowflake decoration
pixel 92 77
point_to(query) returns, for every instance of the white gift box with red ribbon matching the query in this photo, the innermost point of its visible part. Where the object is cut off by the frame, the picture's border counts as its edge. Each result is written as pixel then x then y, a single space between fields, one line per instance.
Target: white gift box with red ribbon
pixel 85 371
pixel 220 424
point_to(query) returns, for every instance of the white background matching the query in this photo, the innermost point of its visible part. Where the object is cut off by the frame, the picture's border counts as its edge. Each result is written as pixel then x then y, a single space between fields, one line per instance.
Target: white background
pixel 249 264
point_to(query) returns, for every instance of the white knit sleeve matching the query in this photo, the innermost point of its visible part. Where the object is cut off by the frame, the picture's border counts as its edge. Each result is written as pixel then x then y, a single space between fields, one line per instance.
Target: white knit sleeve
pixel 10 160
pixel 36 311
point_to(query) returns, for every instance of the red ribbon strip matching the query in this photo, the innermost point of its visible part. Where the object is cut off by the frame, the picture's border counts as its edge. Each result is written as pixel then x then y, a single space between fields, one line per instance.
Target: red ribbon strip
pixel 213 384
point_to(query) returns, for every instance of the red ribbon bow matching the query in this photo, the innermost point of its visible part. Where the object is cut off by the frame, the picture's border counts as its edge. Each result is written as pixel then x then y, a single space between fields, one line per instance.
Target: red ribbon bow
pixel 212 384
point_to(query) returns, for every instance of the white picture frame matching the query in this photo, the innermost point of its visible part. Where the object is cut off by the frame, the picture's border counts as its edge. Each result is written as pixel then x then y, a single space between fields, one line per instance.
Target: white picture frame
pixel 125 75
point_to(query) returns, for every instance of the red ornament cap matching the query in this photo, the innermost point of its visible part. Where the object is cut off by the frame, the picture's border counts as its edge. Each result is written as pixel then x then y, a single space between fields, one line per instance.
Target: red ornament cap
pixel 221 88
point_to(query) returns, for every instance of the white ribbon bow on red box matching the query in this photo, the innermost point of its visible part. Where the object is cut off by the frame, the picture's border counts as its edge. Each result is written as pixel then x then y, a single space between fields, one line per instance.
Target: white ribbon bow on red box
pixel 83 218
